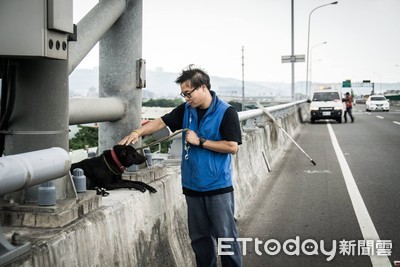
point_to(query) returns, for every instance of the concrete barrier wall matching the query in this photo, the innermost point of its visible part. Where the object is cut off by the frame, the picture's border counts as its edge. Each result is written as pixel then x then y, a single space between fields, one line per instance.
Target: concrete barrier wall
pixel 130 228
pixel 262 147
pixel 141 229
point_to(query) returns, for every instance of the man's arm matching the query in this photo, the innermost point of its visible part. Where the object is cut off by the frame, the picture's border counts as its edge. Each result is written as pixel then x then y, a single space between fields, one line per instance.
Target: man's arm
pixel 223 146
pixel 217 146
pixel 149 128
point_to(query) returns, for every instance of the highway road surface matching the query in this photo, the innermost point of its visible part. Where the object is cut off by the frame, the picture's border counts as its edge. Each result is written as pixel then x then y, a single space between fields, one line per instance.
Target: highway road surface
pixel 345 211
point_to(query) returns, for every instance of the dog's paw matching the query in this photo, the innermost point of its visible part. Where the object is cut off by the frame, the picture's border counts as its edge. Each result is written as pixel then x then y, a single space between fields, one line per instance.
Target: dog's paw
pixel 152 190
pixel 142 189
pixel 101 191
pixel 139 188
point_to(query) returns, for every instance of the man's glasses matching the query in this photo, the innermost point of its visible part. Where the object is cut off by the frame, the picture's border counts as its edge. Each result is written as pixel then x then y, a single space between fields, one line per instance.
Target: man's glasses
pixel 188 95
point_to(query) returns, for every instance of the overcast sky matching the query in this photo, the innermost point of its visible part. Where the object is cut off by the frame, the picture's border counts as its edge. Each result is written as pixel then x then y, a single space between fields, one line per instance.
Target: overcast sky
pixel 363 38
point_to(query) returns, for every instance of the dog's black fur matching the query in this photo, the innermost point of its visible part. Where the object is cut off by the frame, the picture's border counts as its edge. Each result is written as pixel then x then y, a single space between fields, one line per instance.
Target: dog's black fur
pixel 103 172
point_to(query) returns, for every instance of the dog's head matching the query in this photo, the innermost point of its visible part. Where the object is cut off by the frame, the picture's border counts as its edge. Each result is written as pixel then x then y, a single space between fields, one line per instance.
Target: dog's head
pixel 128 155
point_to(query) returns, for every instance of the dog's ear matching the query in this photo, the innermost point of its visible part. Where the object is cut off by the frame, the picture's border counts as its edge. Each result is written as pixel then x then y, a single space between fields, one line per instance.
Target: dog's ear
pixel 128 155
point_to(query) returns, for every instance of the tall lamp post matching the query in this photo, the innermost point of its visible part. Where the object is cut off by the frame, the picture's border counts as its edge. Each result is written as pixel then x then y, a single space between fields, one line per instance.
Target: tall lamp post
pixel 308 40
pixel 243 106
pixel 311 50
pixel 311 62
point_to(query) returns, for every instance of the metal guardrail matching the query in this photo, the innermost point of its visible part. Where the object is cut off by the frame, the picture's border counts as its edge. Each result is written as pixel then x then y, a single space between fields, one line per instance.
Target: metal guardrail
pixel 252 117
pixel 249 119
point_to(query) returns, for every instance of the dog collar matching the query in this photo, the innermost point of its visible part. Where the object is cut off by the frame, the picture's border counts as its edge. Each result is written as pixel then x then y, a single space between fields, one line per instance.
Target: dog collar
pixel 114 156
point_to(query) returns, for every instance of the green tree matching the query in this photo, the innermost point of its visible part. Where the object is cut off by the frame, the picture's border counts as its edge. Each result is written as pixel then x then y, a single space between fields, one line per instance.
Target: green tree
pixel 162 102
pixel 87 135
pixel 164 145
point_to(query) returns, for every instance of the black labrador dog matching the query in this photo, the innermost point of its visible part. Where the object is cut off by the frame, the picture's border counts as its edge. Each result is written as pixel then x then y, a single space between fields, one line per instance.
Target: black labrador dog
pixel 105 171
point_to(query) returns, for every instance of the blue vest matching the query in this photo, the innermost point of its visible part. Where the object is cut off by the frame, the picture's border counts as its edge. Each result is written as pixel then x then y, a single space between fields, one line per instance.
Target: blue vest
pixel 205 170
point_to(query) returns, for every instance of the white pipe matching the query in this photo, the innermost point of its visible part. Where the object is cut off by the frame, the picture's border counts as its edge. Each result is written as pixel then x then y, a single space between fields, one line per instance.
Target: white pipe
pixel 87 110
pixel 28 169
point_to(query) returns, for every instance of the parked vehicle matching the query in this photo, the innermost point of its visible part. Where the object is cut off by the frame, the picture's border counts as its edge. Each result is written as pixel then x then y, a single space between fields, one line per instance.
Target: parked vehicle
pixel 326 104
pixel 377 102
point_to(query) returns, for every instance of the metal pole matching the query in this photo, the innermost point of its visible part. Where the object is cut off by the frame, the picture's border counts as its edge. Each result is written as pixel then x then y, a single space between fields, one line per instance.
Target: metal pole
pixel 308 48
pixel 266 112
pixel 308 42
pixel 243 108
pixel 292 55
pixel 312 62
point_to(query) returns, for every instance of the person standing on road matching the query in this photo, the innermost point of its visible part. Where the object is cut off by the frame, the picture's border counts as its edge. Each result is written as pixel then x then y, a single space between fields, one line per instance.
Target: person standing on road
pixel 213 135
pixel 349 107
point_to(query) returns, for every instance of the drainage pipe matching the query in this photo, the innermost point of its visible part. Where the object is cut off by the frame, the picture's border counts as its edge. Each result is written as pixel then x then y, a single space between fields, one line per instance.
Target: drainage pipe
pixel 24 170
pixel 89 110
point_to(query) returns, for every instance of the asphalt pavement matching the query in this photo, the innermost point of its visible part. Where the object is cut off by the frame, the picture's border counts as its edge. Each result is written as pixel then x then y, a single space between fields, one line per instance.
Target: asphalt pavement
pixel 343 211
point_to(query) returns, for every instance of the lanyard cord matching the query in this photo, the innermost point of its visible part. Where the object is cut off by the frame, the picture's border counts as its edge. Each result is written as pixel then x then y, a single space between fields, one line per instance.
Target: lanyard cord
pixel 163 139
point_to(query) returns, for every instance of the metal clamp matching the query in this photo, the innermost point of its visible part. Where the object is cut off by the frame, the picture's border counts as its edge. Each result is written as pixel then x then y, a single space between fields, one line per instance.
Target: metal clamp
pixel 8 251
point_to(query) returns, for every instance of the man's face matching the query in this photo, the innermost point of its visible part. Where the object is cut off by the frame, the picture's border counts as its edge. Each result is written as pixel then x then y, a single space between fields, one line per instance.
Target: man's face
pixel 194 96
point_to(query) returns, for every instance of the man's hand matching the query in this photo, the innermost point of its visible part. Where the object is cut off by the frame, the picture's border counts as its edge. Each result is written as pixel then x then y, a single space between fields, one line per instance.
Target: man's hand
pixel 130 139
pixel 147 129
pixel 192 138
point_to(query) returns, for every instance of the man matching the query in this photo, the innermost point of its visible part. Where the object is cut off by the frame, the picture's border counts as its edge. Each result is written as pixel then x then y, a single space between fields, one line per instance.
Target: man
pixel 214 134
pixel 349 106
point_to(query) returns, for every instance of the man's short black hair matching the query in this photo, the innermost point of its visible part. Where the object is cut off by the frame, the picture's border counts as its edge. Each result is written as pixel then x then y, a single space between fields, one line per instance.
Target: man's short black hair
pixel 195 76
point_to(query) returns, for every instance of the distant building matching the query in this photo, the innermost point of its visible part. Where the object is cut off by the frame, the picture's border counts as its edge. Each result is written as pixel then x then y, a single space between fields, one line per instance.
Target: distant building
pixel 93 92
pixel 151 113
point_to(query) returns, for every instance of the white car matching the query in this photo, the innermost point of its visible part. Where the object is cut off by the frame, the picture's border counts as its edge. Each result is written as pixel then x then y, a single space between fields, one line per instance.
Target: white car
pixel 326 104
pixel 377 102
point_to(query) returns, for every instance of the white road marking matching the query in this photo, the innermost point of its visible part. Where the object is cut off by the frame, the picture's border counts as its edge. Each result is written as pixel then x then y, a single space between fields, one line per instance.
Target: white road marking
pixel 315 171
pixel 396 122
pixel 364 220
pixel 380 117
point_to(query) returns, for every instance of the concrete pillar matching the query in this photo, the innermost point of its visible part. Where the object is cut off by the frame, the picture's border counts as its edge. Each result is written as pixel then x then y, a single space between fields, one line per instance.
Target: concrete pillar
pixel 40 116
pixel 120 48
